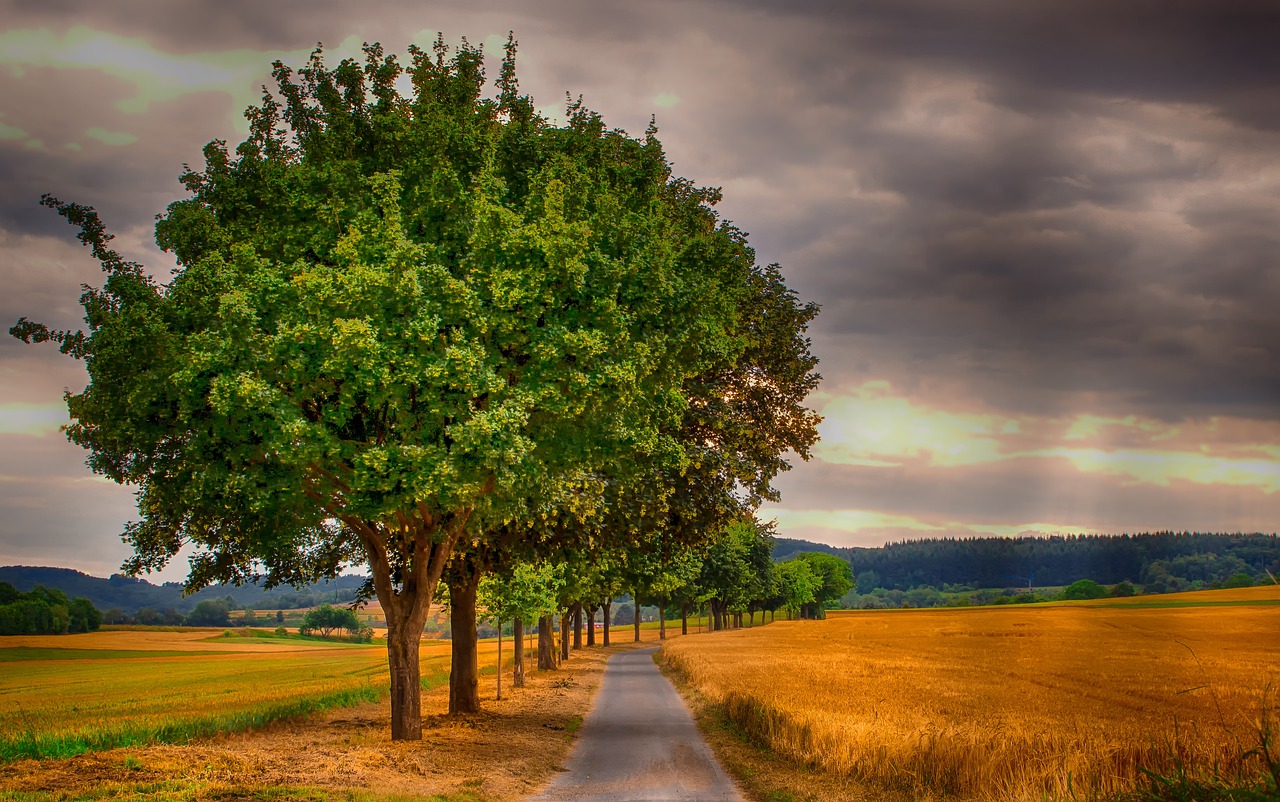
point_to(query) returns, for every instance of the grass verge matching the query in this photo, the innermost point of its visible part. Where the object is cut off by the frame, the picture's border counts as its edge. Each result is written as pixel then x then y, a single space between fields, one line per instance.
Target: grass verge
pixel 30 744
pixel 189 791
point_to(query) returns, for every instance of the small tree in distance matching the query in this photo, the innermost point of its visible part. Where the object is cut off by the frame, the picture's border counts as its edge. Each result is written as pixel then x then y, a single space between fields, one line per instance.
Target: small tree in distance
pixel 326 619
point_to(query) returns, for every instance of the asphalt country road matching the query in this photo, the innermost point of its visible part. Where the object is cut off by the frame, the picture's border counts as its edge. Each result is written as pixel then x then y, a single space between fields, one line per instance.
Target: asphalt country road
pixel 639 743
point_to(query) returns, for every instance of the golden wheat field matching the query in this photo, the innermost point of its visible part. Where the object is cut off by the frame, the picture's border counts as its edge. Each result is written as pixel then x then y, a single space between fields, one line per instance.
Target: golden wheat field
pixel 1022 703
pixel 64 694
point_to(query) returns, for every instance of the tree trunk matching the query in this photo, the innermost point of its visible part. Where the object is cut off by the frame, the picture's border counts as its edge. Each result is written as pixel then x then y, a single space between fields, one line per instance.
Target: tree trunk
pixel 577 625
pixel 636 623
pixel 564 634
pixel 608 622
pixel 464 676
pixel 406 686
pixel 591 625
pixel 753 617
pixel 499 672
pixel 662 622
pixel 546 644
pixel 517 636
pixel 684 619
pixel 405 609
pixel 717 616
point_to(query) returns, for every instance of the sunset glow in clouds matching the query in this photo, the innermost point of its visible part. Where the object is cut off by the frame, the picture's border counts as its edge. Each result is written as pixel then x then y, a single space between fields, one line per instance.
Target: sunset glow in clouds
pixel 1043 235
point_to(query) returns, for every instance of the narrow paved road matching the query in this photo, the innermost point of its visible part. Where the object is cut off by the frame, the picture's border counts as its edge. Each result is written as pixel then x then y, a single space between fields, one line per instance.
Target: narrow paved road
pixel 639 743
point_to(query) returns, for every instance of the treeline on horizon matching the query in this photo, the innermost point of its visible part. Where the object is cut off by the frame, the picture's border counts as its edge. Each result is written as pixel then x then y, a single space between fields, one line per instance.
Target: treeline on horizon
pixel 129 595
pixel 45 611
pixel 1159 562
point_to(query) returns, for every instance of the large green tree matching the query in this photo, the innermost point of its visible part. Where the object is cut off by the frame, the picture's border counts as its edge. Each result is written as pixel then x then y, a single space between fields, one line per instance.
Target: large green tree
pixel 395 321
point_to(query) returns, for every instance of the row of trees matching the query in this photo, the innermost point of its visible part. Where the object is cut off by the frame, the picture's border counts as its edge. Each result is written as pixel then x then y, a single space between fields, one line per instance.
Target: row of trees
pixel 45 611
pixel 441 336
pixel 732 574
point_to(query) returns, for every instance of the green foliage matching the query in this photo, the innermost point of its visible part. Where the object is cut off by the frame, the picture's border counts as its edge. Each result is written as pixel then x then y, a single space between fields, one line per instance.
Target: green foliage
pixel 835 579
pixel 45 611
pixel 527 591
pixel 737 568
pixel 1123 589
pixel 1240 580
pixel 325 619
pixel 404 323
pixel 797 585
pixel 1084 589
pixel 209 613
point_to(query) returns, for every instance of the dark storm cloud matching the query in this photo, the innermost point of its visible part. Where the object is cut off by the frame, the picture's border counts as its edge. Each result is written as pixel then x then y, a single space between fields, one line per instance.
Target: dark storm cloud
pixel 1045 202
pixel 1218 53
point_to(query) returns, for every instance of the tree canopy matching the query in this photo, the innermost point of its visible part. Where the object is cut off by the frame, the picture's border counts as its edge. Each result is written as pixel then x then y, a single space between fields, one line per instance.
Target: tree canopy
pixel 400 324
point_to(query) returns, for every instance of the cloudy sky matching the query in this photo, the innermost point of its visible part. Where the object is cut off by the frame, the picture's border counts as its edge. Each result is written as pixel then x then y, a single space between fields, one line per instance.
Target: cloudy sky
pixel 1044 235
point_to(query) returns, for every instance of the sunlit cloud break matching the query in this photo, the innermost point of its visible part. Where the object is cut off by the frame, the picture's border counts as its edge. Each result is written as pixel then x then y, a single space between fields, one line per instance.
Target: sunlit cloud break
pixel 873 427
pixel 35 420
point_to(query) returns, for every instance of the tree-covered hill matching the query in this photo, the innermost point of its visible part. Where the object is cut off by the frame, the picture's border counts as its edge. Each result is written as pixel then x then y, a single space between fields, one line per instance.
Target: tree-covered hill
pixel 130 595
pixel 1159 560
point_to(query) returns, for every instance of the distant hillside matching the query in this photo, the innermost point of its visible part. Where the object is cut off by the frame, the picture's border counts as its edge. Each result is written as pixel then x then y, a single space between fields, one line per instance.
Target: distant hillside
pixel 784 547
pixel 130 595
pixel 1172 560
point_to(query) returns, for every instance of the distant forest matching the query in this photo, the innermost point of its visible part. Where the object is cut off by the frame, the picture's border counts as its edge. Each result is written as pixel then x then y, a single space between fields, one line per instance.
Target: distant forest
pixel 1160 562
pixel 128 595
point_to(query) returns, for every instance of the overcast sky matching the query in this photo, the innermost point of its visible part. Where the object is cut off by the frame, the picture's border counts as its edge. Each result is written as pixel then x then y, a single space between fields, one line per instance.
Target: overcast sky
pixel 1044 235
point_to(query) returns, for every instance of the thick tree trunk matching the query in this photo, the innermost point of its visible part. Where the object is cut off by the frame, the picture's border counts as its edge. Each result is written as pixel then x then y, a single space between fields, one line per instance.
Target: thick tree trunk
pixel 591 625
pixel 499 672
pixel 684 619
pixel 753 617
pixel 464 677
pixel 717 616
pixel 662 622
pixel 608 622
pixel 517 637
pixel 546 644
pixel 577 625
pixel 406 686
pixel 564 635
pixel 406 602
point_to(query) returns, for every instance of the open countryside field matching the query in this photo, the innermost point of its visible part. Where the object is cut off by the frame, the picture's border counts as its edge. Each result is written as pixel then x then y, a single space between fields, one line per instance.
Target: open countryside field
pixel 1051 701
pixel 76 689
pixel 65 694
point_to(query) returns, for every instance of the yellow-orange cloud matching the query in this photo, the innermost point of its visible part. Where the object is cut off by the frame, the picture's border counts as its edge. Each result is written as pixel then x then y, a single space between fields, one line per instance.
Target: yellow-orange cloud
pixel 872 426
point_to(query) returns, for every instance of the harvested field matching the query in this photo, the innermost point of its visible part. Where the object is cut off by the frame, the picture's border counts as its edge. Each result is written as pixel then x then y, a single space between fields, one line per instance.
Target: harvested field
pixel 1002 703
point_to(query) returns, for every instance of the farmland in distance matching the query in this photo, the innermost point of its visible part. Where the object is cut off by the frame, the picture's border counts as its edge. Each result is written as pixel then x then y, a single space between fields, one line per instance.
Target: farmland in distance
pixel 1024 703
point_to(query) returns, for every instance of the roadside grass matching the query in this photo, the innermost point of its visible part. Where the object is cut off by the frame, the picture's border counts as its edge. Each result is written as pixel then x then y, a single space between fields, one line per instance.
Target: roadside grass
pixel 60 702
pixel 196 791
pixel 1047 703
pixel 34 743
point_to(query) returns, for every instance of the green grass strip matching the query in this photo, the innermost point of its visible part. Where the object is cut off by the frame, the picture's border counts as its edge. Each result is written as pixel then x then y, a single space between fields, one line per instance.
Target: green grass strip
pixel 32 745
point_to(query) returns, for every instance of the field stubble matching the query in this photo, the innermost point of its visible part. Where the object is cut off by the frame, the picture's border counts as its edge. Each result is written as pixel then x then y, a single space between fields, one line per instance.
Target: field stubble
pixel 1000 703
